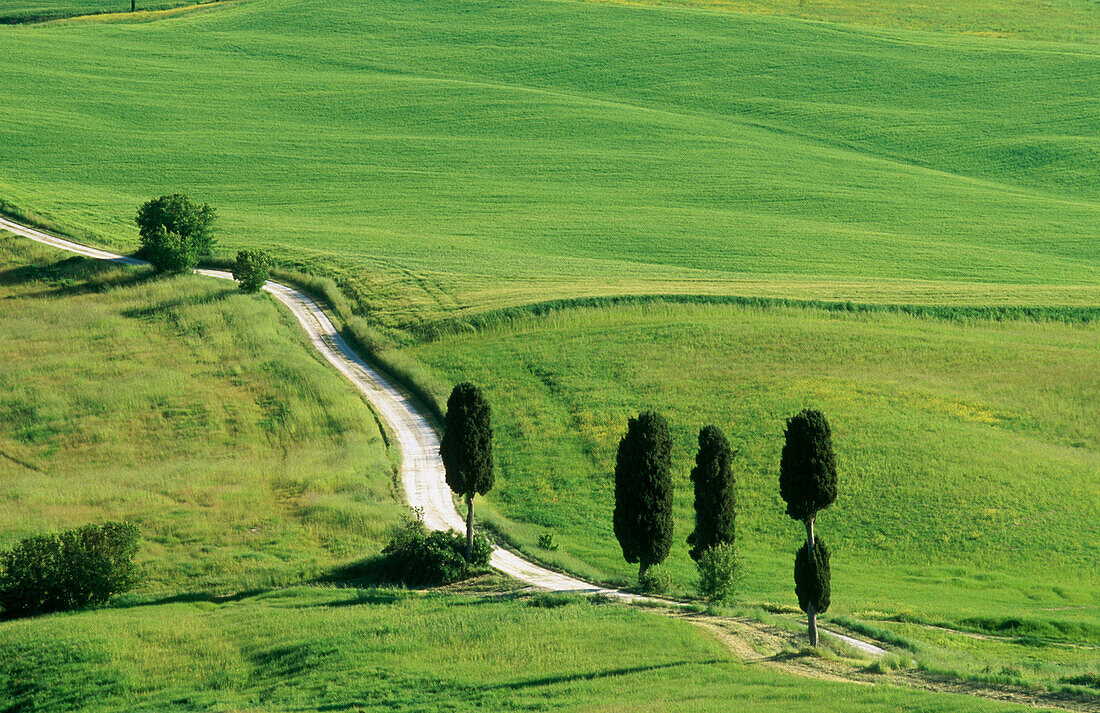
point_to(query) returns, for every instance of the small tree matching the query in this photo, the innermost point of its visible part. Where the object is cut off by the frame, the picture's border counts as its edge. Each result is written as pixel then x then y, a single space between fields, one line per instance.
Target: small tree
pixel 175 232
pixel 251 270
pixel 807 482
pixel 715 494
pixel 643 492
pixel 718 571
pixel 467 449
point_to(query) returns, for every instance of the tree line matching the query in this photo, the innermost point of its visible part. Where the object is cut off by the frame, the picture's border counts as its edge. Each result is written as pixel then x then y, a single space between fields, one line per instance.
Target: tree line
pixel 643 514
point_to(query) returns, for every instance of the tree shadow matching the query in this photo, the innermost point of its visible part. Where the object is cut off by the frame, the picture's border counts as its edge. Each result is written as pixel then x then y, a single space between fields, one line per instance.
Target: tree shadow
pixel 165 306
pixel 594 675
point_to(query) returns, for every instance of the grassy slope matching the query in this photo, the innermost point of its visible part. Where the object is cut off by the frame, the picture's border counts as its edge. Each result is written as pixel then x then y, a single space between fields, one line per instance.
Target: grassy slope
pixel 310 649
pixel 260 437
pixel 1070 20
pixel 21 11
pixel 443 156
pixel 969 455
pixel 191 409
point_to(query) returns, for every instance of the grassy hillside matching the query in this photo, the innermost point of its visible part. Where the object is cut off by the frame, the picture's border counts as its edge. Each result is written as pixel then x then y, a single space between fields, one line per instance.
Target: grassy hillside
pixel 969 454
pixel 1071 20
pixel 195 411
pixel 443 156
pixel 311 649
pixel 24 11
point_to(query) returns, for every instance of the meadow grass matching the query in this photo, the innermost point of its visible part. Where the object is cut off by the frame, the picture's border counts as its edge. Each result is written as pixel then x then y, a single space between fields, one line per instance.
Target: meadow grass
pixel 197 412
pixel 1071 20
pixel 353 649
pixel 441 157
pixel 1025 661
pixel 27 11
pixel 968 453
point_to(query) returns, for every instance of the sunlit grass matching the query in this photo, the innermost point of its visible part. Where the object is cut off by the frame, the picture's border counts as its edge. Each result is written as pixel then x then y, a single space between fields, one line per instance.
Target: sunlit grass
pixel 969 454
pixel 317 649
pixel 439 157
pixel 196 412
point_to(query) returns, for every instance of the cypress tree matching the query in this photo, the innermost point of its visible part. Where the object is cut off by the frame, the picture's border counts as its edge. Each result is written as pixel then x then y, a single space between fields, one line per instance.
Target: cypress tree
pixel 807 482
pixel 715 494
pixel 467 449
pixel 811 581
pixel 643 491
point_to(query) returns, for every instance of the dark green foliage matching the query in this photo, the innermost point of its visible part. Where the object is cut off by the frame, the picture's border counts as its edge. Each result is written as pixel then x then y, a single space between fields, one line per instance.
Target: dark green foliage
pixel 811 582
pixel 169 253
pixel 70 570
pixel 715 493
pixel 807 469
pixel 251 269
pixel 643 491
pixel 175 232
pixel 417 557
pixel 718 572
pixel 467 443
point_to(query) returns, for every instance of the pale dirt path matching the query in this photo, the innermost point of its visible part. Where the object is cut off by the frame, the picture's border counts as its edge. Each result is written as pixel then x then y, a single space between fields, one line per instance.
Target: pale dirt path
pixel 421 468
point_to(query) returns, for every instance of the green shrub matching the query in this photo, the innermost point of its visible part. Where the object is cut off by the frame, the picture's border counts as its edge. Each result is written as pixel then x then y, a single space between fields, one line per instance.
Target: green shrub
pixel 175 232
pixel 169 253
pixel 655 580
pixel 719 568
pixel 70 570
pixel 251 269
pixel 417 557
pixel 546 541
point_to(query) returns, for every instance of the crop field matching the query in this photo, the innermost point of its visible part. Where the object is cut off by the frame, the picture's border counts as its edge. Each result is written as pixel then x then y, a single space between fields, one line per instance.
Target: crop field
pixel 441 157
pixel 968 453
pixel 189 409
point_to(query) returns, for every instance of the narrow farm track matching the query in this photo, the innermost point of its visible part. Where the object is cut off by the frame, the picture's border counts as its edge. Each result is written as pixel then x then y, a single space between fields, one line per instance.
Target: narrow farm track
pixel 421 468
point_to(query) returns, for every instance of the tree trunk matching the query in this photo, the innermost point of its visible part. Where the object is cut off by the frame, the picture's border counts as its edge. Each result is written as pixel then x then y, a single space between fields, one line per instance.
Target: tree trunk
pixel 642 567
pixel 811 610
pixel 133 5
pixel 469 527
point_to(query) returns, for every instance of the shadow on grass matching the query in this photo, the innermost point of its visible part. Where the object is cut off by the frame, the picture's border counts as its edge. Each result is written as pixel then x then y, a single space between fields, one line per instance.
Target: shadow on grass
pixel 164 307
pixel 73 276
pixel 131 602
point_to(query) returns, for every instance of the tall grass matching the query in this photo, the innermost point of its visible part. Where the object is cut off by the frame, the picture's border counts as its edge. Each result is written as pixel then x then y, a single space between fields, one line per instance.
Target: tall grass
pixel 192 410
pixel 382 650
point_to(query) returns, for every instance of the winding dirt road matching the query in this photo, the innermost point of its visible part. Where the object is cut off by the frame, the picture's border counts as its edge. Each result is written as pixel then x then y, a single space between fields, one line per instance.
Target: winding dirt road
pixel 421 467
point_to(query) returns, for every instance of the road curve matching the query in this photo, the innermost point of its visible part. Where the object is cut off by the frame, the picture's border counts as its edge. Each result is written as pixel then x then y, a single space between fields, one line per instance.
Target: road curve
pixel 421 468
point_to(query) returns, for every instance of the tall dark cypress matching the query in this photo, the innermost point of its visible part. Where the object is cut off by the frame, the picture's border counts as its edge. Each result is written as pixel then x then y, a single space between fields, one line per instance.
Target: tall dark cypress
pixel 807 482
pixel 643 491
pixel 467 449
pixel 715 493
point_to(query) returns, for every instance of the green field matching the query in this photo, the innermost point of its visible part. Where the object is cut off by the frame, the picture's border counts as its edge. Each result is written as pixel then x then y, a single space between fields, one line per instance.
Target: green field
pixel 440 156
pixel 456 166
pixel 29 11
pixel 968 453
pixel 192 410
pixel 1074 20
pixel 317 649
pixel 133 397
